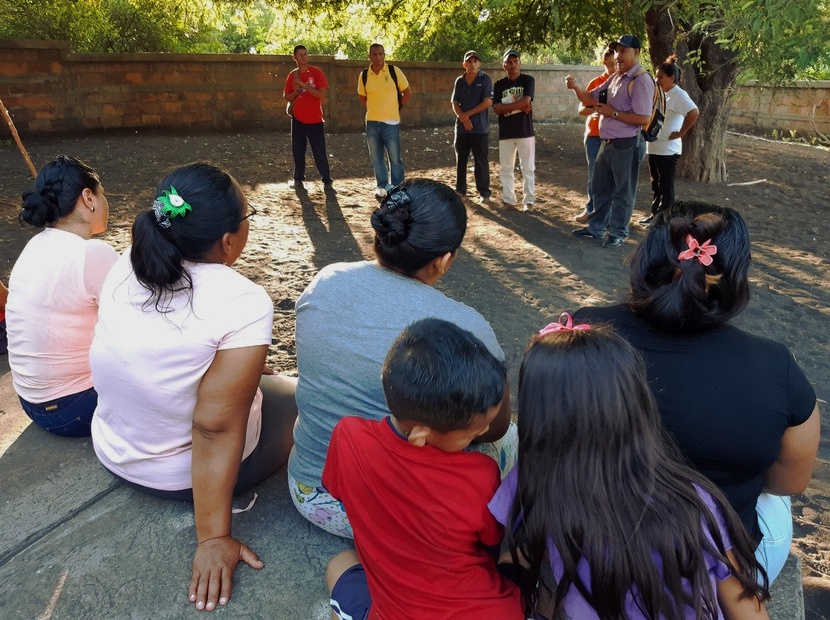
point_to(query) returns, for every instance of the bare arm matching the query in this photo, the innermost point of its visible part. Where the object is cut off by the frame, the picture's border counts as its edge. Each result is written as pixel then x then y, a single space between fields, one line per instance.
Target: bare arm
pixel 584 96
pixel 320 93
pixel 499 426
pixel 220 421
pixel 585 110
pixel 688 123
pixel 733 602
pixel 406 96
pixel 791 473
pixel 524 105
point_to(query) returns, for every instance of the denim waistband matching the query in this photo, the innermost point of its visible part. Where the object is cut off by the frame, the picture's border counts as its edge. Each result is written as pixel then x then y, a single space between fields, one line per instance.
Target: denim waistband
pixel 608 140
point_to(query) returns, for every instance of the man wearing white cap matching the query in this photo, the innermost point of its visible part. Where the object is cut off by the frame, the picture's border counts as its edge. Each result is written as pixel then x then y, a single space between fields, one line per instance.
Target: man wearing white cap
pixel 471 99
pixel 513 96
pixel 623 112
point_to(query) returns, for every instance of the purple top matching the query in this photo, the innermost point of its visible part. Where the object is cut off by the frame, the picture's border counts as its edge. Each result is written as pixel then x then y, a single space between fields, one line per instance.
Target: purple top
pixel 640 102
pixel 575 606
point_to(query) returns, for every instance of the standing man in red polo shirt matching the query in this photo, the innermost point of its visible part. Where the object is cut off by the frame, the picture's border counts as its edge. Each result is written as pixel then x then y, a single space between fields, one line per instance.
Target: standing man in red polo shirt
pixel 307 88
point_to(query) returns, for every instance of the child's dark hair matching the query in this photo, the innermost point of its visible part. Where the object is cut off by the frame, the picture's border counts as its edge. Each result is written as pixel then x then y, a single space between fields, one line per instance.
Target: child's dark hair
pixel 417 222
pixel 158 252
pixel 440 375
pixel 686 295
pixel 601 482
pixel 57 188
pixel 670 68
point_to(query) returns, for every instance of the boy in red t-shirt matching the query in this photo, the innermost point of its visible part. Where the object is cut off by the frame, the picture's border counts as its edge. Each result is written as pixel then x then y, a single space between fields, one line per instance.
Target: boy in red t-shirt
pixel 417 502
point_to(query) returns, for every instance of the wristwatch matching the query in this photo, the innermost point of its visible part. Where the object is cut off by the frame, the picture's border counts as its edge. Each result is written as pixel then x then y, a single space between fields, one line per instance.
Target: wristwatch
pixel 615 114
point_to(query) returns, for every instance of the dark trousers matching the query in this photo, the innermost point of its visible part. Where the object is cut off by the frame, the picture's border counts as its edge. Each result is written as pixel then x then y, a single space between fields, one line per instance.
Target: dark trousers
pixel 662 169
pixel 314 135
pixel 477 143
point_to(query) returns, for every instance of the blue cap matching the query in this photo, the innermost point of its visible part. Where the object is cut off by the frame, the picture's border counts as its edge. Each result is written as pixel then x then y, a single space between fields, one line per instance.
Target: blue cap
pixel 508 54
pixel 627 40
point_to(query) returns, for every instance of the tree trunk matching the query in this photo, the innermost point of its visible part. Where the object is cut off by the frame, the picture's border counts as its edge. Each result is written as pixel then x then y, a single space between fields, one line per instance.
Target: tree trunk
pixel 709 82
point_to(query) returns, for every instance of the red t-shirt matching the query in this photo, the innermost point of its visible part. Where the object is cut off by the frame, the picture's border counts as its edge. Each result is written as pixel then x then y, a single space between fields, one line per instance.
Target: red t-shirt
pixel 592 122
pixel 307 108
pixel 420 522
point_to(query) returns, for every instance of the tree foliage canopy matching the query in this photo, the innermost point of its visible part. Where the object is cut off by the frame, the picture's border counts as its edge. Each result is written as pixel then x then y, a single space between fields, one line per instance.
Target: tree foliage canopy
pixel 771 40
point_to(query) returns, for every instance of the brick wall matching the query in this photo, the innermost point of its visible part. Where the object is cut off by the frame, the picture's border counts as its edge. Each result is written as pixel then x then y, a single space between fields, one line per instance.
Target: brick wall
pixel 46 89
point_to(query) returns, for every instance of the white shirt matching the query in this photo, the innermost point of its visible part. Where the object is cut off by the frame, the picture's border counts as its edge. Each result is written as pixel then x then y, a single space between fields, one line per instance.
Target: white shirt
pixel 678 105
pixel 51 313
pixel 147 367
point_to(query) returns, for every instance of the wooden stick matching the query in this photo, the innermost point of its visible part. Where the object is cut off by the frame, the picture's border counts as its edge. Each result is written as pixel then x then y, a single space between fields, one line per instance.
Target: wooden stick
pixel 16 137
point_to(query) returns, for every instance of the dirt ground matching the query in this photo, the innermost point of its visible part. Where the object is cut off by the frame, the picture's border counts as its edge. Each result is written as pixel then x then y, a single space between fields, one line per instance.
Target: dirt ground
pixel 518 269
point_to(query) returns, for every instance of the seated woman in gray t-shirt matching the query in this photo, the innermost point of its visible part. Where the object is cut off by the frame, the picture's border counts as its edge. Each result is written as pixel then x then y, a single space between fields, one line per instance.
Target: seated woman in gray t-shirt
pixel 350 315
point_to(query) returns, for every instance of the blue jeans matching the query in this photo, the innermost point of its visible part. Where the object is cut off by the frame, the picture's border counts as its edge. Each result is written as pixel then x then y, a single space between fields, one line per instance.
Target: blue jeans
pixel 313 134
pixel 67 416
pixel 775 519
pixel 384 140
pixel 592 144
pixel 614 186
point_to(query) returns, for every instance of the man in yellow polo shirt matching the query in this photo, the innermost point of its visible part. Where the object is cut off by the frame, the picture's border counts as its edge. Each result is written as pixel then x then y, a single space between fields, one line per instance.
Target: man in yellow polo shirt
pixel 383 90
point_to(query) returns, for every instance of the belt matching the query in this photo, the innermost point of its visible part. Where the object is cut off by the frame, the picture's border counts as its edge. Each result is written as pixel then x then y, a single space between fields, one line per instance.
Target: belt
pixel 609 140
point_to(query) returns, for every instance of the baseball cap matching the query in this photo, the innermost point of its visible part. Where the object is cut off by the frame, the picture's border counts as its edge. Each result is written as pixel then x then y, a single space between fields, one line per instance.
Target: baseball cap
pixel 471 54
pixel 627 40
pixel 508 54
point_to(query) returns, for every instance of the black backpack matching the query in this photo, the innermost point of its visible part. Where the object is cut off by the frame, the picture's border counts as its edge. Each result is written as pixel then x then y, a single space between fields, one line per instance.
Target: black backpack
pixel 364 75
pixel 658 108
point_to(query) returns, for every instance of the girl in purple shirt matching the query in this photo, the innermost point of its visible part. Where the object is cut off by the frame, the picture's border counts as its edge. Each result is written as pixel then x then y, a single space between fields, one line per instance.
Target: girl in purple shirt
pixel 601 496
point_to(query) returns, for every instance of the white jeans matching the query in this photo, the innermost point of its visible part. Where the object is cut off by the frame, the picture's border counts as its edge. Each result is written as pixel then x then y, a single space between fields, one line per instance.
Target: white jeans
pixel 775 518
pixel 525 148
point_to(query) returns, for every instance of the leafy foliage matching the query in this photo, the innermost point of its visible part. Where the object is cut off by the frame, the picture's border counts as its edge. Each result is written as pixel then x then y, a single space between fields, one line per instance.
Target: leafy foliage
pixel 771 40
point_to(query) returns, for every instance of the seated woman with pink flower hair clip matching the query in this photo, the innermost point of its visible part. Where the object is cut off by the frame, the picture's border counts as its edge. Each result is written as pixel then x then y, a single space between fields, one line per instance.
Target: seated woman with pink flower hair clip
pixel 738 405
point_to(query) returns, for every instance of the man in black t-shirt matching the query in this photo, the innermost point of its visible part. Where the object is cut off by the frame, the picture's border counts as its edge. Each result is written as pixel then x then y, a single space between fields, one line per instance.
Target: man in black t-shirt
pixel 513 97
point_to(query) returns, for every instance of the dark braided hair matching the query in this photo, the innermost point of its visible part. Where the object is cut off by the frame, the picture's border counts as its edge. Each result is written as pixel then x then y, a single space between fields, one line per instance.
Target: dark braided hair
pixel 58 186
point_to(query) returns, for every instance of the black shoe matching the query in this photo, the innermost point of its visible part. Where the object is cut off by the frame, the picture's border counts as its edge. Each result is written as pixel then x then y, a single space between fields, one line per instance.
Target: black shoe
pixel 328 186
pixel 646 221
pixel 613 242
pixel 295 184
pixel 584 233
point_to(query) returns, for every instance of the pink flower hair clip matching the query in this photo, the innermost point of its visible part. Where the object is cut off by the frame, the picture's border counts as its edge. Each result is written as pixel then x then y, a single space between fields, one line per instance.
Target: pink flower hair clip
pixel 702 252
pixel 565 323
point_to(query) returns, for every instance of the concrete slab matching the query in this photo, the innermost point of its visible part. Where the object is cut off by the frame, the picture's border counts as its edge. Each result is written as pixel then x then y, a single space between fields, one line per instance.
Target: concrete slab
pixel 77 544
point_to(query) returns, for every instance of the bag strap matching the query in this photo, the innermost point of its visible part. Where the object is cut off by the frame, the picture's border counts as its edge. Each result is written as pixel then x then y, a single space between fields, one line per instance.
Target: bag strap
pixel 364 75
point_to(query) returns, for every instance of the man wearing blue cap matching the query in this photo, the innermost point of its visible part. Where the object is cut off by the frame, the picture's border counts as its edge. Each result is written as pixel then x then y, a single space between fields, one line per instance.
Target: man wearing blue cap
pixel 471 99
pixel 623 112
pixel 513 96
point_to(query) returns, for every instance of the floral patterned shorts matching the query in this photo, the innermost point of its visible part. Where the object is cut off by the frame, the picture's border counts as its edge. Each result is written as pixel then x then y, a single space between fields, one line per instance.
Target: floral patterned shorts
pixel 327 513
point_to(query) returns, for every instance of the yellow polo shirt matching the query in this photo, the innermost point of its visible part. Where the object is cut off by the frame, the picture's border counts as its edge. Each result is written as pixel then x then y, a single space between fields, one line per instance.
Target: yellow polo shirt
pixel 381 97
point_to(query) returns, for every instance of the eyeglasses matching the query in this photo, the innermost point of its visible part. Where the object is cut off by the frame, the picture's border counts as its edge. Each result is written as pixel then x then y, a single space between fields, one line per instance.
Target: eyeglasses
pixel 251 213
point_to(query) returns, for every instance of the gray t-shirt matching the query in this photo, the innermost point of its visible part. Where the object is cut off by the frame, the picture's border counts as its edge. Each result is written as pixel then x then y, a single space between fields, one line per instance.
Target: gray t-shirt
pixel 347 319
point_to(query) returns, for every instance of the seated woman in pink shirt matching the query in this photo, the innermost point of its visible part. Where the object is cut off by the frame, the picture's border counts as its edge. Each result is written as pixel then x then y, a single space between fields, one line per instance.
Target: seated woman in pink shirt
pixel 54 290
pixel 185 411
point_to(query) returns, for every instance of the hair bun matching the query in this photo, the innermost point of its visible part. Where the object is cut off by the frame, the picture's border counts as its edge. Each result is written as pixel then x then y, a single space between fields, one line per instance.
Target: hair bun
pixel 391 224
pixel 39 208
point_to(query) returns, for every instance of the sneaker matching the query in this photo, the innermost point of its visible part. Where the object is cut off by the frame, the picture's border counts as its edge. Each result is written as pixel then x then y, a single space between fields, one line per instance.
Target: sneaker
pixel 295 183
pixel 508 205
pixel 526 207
pixel 582 218
pixel 380 193
pixel 646 221
pixel 612 241
pixel 584 233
